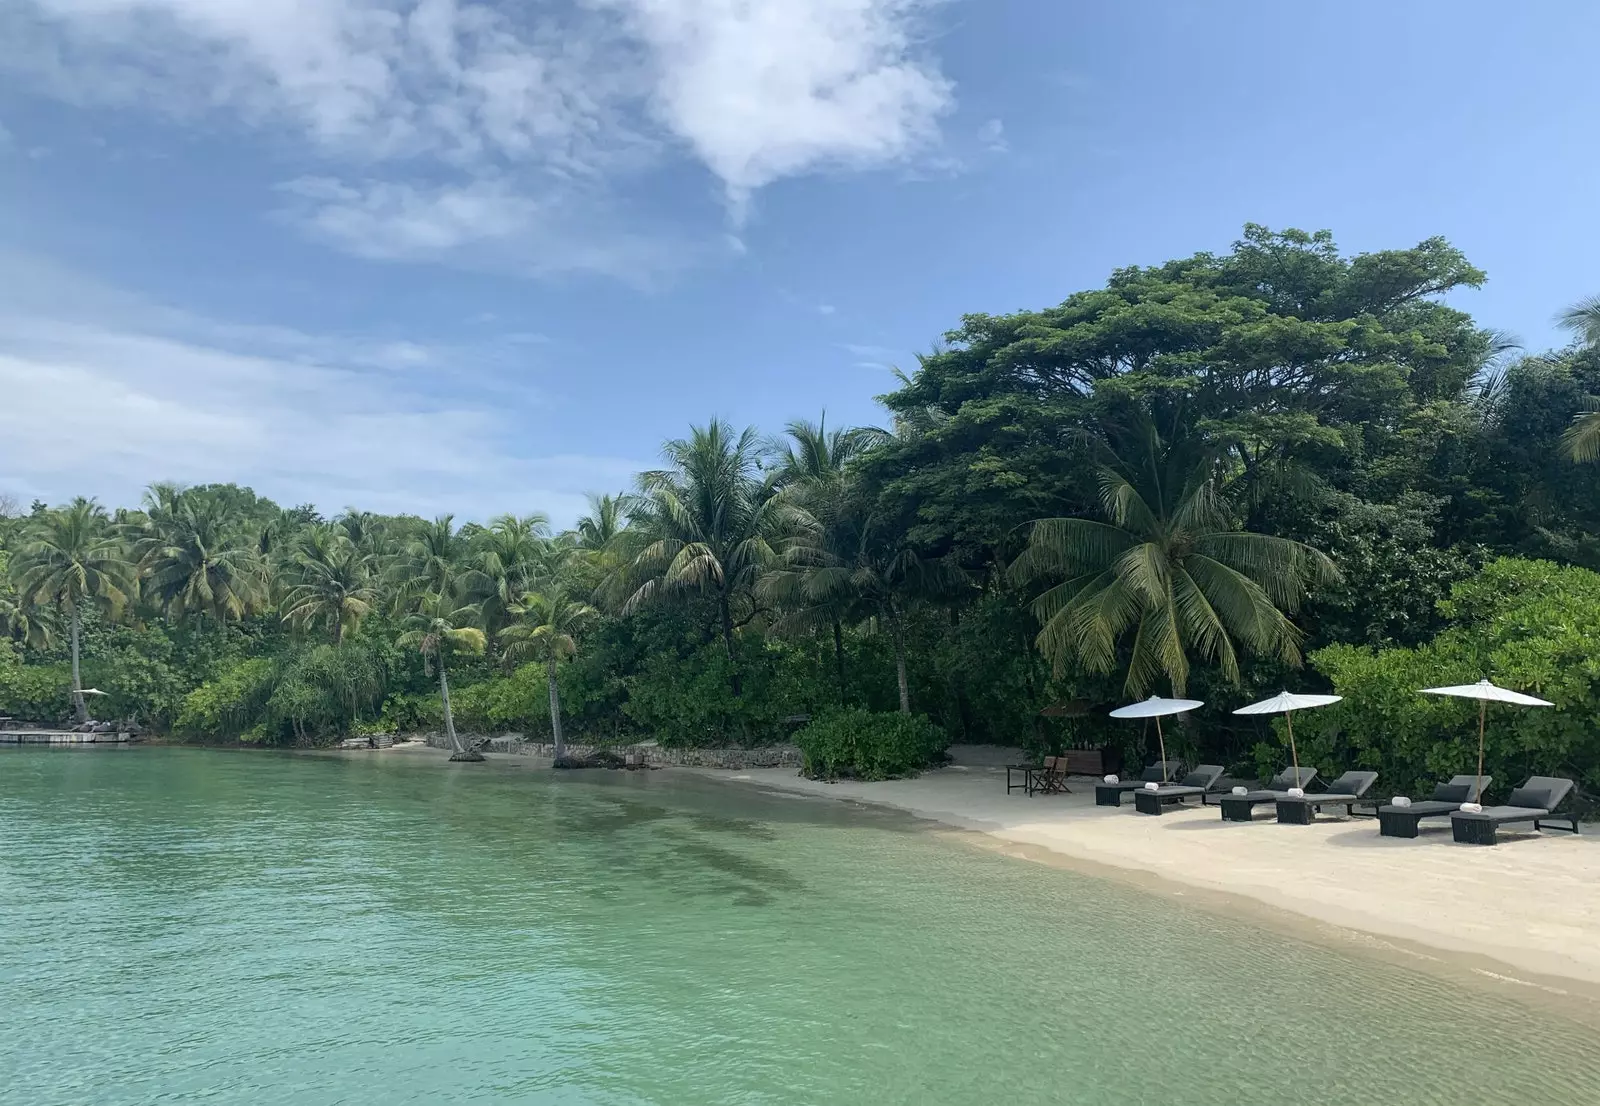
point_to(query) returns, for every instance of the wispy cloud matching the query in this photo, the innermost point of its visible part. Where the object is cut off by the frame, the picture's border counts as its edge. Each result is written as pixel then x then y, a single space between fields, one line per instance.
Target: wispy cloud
pixel 872 357
pixel 106 394
pixel 443 127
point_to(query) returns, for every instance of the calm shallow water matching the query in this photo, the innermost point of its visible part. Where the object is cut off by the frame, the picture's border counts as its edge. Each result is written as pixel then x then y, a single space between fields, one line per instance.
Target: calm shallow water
pixel 191 926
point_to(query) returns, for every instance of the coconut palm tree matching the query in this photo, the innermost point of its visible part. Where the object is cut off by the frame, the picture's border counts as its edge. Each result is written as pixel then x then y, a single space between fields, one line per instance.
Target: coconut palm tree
pixel 860 568
pixel 436 627
pixel 597 531
pixel 70 557
pixel 1581 442
pixel 709 523
pixel 505 559
pixel 331 582
pixel 547 623
pixel 1168 565
pixel 431 561
pixel 197 555
pixel 813 467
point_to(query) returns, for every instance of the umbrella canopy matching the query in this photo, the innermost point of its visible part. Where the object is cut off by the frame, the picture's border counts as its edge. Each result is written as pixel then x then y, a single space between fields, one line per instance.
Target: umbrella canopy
pixel 93 691
pixel 1284 703
pixel 1485 693
pixel 1157 708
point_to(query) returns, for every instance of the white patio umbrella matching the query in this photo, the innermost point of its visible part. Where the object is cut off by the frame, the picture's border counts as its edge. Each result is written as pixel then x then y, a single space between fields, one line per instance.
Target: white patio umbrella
pixel 93 691
pixel 1157 708
pixel 1485 693
pixel 1286 703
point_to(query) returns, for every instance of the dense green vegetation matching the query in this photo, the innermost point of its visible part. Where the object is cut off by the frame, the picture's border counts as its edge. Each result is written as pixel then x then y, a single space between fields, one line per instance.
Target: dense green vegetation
pixel 1192 479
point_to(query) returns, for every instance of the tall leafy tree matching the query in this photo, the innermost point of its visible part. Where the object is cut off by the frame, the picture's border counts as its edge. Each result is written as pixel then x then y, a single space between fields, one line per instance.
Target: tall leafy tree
pixel 431 560
pixel 71 557
pixel 198 555
pixel 503 564
pixel 708 523
pixel 860 567
pixel 1169 567
pixel 437 626
pixel 330 581
pixel 545 627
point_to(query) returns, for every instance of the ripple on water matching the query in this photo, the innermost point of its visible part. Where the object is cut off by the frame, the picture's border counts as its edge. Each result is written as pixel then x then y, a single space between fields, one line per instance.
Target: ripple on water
pixel 181 925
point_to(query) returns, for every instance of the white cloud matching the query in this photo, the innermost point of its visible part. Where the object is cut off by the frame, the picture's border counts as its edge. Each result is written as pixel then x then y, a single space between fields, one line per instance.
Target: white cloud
pixel 449 124
pixel 992 137
pixel 765 91
pixel 106 394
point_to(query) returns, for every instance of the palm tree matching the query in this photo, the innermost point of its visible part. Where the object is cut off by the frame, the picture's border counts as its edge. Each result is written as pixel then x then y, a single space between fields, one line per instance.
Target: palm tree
pixel 437 626
pixel 813 467
pixel 1581 442
pixel 431 560
pixel 860 567
pixel 1169 565
pixel 546 627
pixel 507 557
pixel 710 523
pixel 332 582
pixel 1583 320
pixel 198 556
pixel 597 531
pixel 72 557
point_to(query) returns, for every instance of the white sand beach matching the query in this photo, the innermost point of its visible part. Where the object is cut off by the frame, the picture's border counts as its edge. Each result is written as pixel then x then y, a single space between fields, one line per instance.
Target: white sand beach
pixel 1531 903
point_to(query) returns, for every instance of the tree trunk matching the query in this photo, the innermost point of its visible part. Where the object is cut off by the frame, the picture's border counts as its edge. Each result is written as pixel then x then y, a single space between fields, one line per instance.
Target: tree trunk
pixel 444 697
pixel 338 627
pixel 838 657
pixel 900 661
pixel 80 711
pixel 727 640
pixel 555 708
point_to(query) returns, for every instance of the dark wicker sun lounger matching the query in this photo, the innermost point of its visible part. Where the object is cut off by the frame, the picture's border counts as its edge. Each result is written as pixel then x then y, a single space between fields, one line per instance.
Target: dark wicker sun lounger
pixel 1195 785
pixel 1535 801
pixel 1110 794
pixel 1402 821
pixel 1241 808
pixel 1346 791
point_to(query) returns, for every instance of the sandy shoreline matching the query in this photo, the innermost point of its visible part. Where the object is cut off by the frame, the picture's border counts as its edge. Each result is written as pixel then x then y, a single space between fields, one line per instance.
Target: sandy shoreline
pixel 1531 904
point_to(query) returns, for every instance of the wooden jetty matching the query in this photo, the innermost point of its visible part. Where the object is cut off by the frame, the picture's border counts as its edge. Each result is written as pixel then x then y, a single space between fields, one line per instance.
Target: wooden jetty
pixel 63 737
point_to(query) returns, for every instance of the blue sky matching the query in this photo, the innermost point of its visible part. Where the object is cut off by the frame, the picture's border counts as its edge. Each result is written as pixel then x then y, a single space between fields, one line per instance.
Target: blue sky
pixel 484 256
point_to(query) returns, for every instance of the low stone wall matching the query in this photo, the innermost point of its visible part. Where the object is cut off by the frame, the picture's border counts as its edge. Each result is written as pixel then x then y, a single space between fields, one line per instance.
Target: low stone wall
pixel 765 756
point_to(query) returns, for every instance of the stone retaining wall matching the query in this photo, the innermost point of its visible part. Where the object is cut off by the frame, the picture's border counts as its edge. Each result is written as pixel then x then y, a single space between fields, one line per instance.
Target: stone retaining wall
pixel 765 756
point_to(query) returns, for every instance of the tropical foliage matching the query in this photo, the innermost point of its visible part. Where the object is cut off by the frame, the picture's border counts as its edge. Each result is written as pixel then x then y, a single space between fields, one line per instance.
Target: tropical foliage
pixel 1275 466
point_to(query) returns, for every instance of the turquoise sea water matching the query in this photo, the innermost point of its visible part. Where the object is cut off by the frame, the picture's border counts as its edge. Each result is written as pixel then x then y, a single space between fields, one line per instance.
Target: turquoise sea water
pixel 190 926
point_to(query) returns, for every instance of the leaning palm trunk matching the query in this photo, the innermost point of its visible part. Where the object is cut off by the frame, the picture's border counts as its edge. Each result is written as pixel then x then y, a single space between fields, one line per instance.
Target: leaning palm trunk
pixel 80 710
pixel 900 662
pixel 838 660
pixel 555 709
pixel 727 641
pixel 449 720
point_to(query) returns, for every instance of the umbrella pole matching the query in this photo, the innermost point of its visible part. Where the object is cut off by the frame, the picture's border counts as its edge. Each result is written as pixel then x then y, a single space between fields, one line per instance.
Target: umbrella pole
pixel 1483 708
pixel 1161 741
pixel 1294 754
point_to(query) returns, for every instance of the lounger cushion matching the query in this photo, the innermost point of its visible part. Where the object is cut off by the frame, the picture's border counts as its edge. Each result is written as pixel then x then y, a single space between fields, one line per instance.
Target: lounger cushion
pixel 1423 809
pixel 1452 792
pixel 1533 798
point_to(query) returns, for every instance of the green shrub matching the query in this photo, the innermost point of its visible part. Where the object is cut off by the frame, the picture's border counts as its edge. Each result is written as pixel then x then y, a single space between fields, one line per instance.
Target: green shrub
pixel 41 693
pixel 1527 625
pixel 868 745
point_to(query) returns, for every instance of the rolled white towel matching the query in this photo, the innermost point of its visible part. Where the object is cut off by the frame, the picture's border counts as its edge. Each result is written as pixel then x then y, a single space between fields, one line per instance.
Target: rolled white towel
pixel 1400 800
pixel 1112 779
pixel 1472 808
pixel 1152 786
pixel 1297 792
pixel 1241 791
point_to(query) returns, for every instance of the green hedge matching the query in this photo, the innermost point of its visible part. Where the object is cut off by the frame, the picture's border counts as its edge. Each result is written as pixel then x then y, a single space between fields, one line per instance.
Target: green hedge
pixel 871 746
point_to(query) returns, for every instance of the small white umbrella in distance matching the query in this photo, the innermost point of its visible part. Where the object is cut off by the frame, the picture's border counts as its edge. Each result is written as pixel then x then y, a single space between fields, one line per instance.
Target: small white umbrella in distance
pixel 1157 708
pixel 1285 703
pixel 1485 693
pixel 93 691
